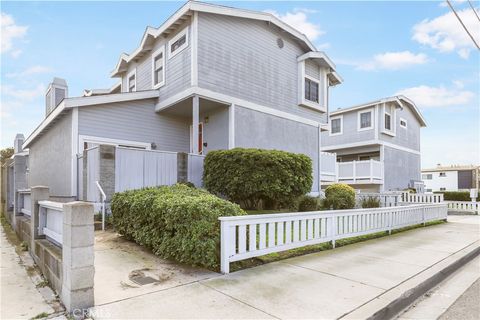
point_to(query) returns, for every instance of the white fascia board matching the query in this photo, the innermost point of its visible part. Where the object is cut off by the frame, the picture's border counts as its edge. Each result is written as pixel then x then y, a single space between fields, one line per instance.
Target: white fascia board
pixel 417 112
pixel 317 55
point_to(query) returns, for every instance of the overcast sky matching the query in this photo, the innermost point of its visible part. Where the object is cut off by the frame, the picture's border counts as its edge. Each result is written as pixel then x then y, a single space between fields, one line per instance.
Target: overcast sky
pixel 418 49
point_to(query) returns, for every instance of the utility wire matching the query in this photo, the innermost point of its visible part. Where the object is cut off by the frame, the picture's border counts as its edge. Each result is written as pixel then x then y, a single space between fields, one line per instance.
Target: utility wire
pixel 475 11
pixel 463 25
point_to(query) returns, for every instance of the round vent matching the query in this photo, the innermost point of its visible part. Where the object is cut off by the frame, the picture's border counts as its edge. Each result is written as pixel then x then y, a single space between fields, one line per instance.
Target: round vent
pixel 280 43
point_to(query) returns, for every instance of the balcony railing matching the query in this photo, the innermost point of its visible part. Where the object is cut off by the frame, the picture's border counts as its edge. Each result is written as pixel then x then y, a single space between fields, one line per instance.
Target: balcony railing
pixel 368 171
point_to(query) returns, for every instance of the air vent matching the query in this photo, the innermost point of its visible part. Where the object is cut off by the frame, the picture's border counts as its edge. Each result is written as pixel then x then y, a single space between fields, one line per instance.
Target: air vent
pixel 280 43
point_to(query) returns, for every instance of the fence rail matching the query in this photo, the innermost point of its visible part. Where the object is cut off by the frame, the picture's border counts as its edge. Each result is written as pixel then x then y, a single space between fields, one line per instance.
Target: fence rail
pixel 464 206
pixel 388 199
pixel 360 171
pixel 244 237
pixel 50 222
pixel 421 197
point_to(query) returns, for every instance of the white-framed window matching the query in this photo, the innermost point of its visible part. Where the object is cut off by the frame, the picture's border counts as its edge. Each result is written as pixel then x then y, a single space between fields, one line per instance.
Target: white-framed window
pixel 388 121
pixel 442 174
pixel 365 120
pixel 178 43
pixel 312 87
pixel 132 81
pixel 158 68
pixel 403 123
pixel 336 125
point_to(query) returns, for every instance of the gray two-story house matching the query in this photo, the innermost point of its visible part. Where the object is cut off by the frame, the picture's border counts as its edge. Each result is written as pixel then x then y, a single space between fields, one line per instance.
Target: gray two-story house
pixel 211 77
pixel 377 144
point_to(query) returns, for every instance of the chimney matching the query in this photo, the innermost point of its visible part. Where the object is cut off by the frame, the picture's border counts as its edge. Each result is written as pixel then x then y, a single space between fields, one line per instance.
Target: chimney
pixel 19 139
pixel 56 92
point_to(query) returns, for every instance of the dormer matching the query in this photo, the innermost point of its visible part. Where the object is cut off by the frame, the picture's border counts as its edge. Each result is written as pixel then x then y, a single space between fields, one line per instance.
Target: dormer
pixel 316 73
pixel 56 92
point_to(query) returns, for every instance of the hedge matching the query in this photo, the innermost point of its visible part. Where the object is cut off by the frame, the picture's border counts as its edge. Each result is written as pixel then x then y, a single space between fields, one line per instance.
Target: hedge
pixel 253 176
pixel 456 195
pixel 339 196
pixel 176 222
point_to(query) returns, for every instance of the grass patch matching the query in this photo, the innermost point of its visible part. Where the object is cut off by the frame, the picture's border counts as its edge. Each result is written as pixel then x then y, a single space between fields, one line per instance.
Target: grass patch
pixel 278 256
pixel 40 316
pixel 42 283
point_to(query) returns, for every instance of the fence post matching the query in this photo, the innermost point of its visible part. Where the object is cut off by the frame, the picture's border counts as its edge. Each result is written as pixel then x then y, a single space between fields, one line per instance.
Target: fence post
pixel 38 193
pixel 423 215
pixel 390 221
pixel 78 256
pixel 224 247
pixel 333 229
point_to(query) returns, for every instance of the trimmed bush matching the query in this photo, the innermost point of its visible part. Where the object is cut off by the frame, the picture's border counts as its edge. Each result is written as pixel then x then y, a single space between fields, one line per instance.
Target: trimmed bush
pixel 253 176
pixel 176 222
pixel 370 202
pixel 339 196
pixel 457 195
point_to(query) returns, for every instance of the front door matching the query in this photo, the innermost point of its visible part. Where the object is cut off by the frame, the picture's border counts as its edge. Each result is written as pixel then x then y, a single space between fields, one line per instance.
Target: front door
pixel 200 138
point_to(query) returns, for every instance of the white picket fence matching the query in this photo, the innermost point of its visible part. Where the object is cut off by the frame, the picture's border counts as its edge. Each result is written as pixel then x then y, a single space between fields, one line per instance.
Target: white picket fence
pixel 422 197
pixel 244 237
pixel 464 206
pixel 24 202
pixel 50 222
pixel 387 199
pixel 195 169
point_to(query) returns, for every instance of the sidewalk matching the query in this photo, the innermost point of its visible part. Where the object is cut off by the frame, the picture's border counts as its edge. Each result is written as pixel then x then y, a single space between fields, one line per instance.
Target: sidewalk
pixel 20 299
pixel 351 282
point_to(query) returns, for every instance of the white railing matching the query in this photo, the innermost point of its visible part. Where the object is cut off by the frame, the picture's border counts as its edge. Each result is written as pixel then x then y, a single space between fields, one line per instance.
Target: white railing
pixel 195 169
pixel 367 171
pixel 25 204
pixel 244 237
pixel 464 206
pixel 104 199
pixel 387 199
pixel 50 222
pixel 422 197
pixel 328 166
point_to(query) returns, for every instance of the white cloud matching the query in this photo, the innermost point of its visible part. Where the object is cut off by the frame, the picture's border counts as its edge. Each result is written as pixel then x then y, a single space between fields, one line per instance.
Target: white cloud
pixel 23 95
pixel 446 34
pixel 29 71
pixel 393 61
pixel 9 32
pixel 431 97
pixel 298 19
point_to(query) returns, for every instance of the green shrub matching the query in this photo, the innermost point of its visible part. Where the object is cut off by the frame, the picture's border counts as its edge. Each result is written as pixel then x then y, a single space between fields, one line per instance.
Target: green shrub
pixel 307 203
pixel 253 176
pixel 339 196
pixel 176 222
pixel 370 202
pixel 457 195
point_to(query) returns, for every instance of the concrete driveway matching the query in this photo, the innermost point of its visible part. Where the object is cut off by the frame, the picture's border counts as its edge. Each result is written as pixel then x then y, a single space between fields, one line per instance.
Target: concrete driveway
pixel 346 282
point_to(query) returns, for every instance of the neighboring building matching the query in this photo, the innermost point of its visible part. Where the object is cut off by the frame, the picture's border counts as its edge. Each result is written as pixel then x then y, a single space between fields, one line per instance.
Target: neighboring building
pixel 451 178
pixel 240 78
pixel 377 144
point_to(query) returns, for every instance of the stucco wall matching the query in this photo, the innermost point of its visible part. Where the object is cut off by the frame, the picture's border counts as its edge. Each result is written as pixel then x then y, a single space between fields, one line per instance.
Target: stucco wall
pixel 400 168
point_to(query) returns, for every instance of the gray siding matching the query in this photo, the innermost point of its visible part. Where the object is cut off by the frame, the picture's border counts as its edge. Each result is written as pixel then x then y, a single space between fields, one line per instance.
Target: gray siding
pixel 177 68
pixel 350 131
pixel 240 57
pixel 50 158
pixel 400 168
pixel 409 137
pixel 215 132
pixel 258 130
pixel 135 121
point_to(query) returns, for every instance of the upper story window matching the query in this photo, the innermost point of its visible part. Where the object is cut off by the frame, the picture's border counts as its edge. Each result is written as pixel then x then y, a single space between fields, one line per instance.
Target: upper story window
pixel 311 89
pixel 442 174
pixel 178 43
pixel 365 120
pixel 427 176
pixel 132 81
pixel 403 123
pixel 158 68
pixel 336 124
pixel 388 121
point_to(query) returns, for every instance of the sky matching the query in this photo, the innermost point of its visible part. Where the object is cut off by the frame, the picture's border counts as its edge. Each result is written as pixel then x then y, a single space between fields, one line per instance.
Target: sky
pixel 380 48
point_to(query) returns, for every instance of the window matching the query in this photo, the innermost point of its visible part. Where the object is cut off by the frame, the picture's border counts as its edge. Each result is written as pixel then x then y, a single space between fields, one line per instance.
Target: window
pixel 442 174
pixel 365 120
pixel 403 123
pixel 336 125
pixel 443 189
pixel 388 121
pixel 311 90
pixel 132 81
pixel 158 68
pixel 427 176
pixel 178 43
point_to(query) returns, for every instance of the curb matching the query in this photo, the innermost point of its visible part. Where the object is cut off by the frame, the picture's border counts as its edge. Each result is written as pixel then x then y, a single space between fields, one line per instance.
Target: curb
pixel 408 297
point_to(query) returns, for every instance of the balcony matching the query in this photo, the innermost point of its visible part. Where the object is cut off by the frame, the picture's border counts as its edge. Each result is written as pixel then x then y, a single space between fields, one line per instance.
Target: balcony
pixel 360 172
pixel 328 165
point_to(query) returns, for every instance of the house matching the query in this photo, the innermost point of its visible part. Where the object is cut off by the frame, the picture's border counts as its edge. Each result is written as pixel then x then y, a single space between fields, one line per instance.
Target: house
pixel 211 77
pixel 451 178
pixel 377 144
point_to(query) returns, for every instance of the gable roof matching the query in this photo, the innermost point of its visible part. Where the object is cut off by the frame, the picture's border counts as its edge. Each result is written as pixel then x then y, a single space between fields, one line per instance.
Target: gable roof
pixel 401 100
pixel 182 14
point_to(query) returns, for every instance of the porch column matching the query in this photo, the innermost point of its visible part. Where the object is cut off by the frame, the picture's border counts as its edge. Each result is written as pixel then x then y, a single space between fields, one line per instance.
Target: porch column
pixel 195 123
pixel 231 126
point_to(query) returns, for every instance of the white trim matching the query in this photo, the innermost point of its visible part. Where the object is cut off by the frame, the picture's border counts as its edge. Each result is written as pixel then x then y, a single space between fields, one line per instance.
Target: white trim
pixel 160 50
pixel 340 117
pixel 110 98
pixel 302 101
pixel 393 127
pixel 74 152
pixel 367 143
pixel 406 123
pixel 228 100
pixel 377 121
pixel 194 51
pixel 359 119
pixel 179 35
pixel 231 126
pixel 114 142
pixel 129 75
